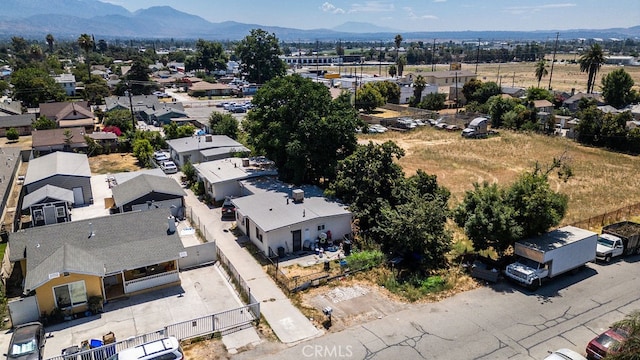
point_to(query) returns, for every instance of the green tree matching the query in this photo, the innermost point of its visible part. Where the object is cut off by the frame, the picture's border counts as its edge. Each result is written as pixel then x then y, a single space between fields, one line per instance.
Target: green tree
pixel 590 125
pixel 390 91
pixel 43 123
pixel 617 88
pixel 630 348
pixel 85 41
pixel 120 118
pixel 223 124
pixel 393 70
pixel 209 56
pixel 34 86
pixel 4 86
pixel 50 41
pixel 541 70
pixel 137 79
pixel 590 62
pixel 433 101
pixel 419 83
pixel 259 56
pixel 534 93
pixel 402 62
pixel 173 131
pixel 397 40
pixel 143 150
pixel 12 134
pixel 96 91
pixel 291 123
pixel 368 98
pixel 498 107
pixel 190 173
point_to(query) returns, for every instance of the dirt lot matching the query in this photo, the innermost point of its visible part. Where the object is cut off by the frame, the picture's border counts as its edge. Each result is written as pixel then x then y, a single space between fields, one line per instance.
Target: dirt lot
pixel 113 163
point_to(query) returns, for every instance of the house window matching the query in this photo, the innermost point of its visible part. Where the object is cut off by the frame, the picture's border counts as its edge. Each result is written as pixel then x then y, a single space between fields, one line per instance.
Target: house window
pixel 70 295
pixel 38 215
pixel 60 211
pixel 320 227
pixel 258 235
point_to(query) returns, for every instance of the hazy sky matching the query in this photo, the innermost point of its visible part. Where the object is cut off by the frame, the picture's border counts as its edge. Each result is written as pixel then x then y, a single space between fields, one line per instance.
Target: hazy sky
pixel 413 15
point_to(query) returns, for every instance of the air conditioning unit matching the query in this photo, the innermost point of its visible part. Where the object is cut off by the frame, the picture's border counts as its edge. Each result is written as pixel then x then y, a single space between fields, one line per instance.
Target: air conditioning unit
pixel 298 195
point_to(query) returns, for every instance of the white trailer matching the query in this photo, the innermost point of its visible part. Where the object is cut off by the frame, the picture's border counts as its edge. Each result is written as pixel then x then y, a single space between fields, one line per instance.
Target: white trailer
pixel 552 254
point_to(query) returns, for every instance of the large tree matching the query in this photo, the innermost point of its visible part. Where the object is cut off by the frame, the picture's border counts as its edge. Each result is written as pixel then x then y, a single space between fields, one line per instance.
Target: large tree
pixel 85 41
pixel 397 40
pixel 50 41
pixel 223 124
pixel 259 56
pixel 630 348
pixel 541 70
pixel 297 125
pixel 617 88
pixel 368 98
pixel 590 62
pixel 209 56
pixel 33 86
pixel 419 83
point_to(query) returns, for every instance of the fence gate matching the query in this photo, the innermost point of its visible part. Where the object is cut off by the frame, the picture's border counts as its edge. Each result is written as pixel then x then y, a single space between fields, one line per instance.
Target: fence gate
pixel 24 310
pixel 198 255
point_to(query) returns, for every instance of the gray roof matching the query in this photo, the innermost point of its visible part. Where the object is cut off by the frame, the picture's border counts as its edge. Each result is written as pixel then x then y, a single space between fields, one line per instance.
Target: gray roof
pixel 145 184
pixel 57 163
pixel 122 177
pixel 224 151
pixel 270 210
pixel 102 135
pixel 47 192
pixel 17 120
pixel 557 238
pixel 9 157
pixel 201 142
pixel 219 171
pixel 120 242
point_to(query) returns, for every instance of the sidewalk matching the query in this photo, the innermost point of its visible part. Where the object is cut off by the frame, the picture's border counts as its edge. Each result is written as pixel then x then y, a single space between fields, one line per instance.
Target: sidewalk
pixel 287 322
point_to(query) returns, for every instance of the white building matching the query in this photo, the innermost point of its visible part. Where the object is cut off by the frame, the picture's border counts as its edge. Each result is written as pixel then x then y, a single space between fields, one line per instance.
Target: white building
pixel 222 178
pixel 68 83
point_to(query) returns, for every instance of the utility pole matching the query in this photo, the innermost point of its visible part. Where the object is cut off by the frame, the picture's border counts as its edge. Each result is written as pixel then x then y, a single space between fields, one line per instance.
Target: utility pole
pixel 555 48
pixel 133 118
pixel 317 65
pixel 477 56
pixel 433 56
pixel 456 92
pixel 380 59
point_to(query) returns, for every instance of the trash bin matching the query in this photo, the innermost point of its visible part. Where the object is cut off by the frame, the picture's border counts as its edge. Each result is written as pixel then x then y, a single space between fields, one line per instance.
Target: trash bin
pixel 68 353
pixel 95 343
pixel 280 252
pixel 109 340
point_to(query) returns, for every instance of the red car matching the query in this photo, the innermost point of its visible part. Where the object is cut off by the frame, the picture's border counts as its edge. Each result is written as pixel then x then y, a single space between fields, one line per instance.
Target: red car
pixel 598 347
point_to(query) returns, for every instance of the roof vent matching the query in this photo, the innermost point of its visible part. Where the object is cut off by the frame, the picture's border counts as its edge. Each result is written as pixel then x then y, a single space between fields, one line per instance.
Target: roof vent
pixel 208 138
pixel 171 221
pixel 298 195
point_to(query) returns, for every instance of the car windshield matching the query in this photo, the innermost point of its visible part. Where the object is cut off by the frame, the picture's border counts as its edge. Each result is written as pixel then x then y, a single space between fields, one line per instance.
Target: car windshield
pixel 19 349
pixel 605 242
pixel 606 341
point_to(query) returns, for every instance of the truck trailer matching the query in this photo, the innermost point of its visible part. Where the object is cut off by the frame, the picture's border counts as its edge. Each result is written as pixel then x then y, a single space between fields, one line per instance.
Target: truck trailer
pixel 551 254
pixel 618 239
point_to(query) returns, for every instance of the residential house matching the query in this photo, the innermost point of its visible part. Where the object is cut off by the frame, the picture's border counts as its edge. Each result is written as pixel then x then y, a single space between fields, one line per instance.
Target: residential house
pixel 147 108
pixel 51 140
pixel 406 92
pixel 107 140
pixel 62 170
pixel 204 88
pixel 514 92
pixel 608 109
pixel 222 178
pixel 69 114
pixel 67 82
pixel 197 149
pixel 280 219
pixel 166 113
pixel 146 192
pixel 22 124
pixel 48 205
pixel 635 110
pixel 543 106
pixel 65 265
pixel 443 78
pixel 572 102
pixel 11 107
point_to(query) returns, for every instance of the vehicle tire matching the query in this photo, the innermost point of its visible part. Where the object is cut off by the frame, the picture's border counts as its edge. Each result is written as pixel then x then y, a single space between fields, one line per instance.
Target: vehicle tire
pixel 607 258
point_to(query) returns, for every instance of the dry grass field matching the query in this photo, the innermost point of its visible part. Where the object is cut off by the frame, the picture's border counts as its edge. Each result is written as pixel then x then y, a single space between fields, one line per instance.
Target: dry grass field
pixel 603 181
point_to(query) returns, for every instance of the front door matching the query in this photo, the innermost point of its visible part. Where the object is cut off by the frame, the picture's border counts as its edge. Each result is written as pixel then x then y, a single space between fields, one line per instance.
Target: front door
pixel 246 226
pixel 49 214
pixel 297 240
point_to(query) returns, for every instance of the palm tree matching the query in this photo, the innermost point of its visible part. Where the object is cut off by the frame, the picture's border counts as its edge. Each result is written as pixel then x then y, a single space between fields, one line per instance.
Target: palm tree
pixel 590 62
pixel 398 41
pixel 419 83
pixel 50 41
pixel 35 51
pixel 541 70
pixel 630 348
pixel 86 43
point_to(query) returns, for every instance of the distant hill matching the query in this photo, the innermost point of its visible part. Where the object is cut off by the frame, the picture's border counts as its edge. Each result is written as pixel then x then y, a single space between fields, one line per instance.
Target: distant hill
pixel 70 18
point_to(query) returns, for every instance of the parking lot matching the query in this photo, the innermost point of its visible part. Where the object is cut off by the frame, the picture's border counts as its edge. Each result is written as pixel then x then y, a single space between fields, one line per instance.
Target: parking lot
pixel 203 291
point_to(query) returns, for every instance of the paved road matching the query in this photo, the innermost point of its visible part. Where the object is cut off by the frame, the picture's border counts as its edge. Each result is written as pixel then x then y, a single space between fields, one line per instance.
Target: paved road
pixel 499 322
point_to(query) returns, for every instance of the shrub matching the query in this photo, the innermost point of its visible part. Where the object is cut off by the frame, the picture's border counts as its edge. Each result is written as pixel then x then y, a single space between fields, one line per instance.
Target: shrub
pixel 365 259
pixel 12 134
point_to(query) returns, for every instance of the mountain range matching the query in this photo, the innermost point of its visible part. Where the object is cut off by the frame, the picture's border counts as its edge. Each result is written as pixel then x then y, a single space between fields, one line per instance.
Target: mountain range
pixel 67 19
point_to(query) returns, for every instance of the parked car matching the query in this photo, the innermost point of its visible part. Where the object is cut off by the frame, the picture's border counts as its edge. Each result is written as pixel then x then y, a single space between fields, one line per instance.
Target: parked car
pixel 377 128
pixel 169 167
pixel 419 122
pixel 564 354
pixel 228 210
pixel 600 346
pixel 431 122
pixel 228 105
pixel 27 342
pixel 237 109
pixel 165 349
pixel 453 127
pixel 160 156
pixel 441 126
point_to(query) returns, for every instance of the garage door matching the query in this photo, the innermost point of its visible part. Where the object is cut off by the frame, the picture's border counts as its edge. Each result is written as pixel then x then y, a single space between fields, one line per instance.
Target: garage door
pixel 24 310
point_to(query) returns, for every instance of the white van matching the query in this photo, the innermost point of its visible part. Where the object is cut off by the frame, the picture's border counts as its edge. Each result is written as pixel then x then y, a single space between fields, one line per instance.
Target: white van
pixel 163 349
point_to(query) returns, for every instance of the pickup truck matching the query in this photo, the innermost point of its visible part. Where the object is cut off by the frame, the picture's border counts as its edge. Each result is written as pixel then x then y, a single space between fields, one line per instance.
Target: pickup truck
pixel 618 239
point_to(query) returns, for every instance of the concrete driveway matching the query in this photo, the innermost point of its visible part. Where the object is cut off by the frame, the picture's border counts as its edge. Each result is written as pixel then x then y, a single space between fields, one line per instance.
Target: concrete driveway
pixel 203 291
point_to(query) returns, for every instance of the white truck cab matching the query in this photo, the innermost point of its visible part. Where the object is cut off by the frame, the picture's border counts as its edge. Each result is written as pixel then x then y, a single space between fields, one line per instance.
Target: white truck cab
pixel 609 246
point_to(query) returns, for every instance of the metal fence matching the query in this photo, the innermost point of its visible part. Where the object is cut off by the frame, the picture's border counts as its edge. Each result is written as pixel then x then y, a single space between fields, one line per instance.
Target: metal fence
pixel 598 221
pixel 203 326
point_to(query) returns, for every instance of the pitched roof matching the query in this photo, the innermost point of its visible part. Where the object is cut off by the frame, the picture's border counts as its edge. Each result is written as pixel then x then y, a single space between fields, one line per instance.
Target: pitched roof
pixel 47 192
pixel 53 137
pixel 119 242
pixel 202 142
pixel 576 97
pixel 55 109
pixel 57 163
pixel 16 120
pixel 204 86
pixel 541 103
pixel 121 178
pixel 102 135
pixel 145 184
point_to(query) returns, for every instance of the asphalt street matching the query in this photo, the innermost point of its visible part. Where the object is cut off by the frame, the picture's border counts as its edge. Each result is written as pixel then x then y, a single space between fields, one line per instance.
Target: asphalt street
pixel 501 321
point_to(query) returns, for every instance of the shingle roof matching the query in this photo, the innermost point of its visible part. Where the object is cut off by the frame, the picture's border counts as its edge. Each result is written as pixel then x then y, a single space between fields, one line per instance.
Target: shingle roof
pixel 53 137
pixel 122 177
pixel 16 120
pixel 57 163
pixel 119 242
pixel 52 110
pixel 142 185
pixel 47 192
pixel 102 135
pixel 200 142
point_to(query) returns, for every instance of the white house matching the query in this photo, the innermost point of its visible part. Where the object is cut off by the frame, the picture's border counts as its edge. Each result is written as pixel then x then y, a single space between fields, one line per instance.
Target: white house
pixel 197 149
pixel 281 219
pixel 68 83
pixel 222 178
